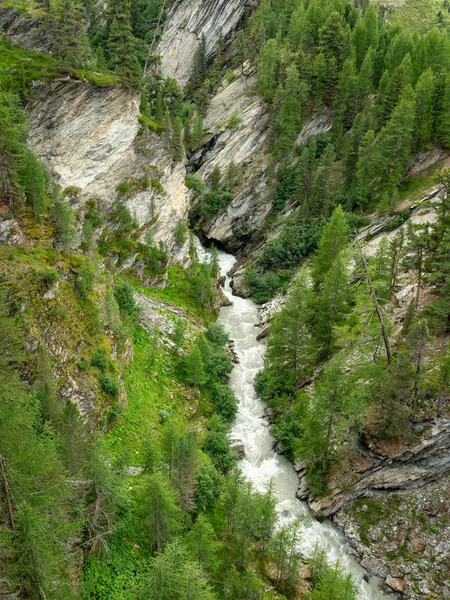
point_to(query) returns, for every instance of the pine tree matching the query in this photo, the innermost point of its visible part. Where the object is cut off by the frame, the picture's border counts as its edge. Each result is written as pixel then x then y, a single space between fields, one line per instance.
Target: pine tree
pixel 160 516
pixel 335 39
pixel 442 114
pixel 71 42
pixel 199 66
pixel 289 118
pixel 290 344
pixel 285 549
pixel 333 242
pixel 423 125
pixel 185 465
pixel 267 69
pixel 195 369
pixel 345 98
pixel 64 221
pixel 172 576
pixel 324 186
pixel 202 544
pixel 34 180
pixel 121 43
pixel 179 152
pixel 12 134
pixel 383 163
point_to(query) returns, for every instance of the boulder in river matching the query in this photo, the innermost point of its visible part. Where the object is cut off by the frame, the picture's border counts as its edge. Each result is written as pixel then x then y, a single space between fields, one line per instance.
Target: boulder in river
pixel 238 448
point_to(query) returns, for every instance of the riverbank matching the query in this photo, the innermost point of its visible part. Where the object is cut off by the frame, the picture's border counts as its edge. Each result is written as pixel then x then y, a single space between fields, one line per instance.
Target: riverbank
pixel 401 537
pixel 404 538
pixel 260 465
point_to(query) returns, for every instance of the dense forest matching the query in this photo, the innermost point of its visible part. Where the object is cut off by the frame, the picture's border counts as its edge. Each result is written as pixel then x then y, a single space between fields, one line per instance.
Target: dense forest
pixel 143 497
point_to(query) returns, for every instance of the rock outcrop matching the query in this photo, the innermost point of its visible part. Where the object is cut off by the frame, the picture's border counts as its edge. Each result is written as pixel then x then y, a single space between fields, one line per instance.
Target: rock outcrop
pixel 91 139
pixel 187 21
pixel 27 32
pixel 415 467
pixel 245 147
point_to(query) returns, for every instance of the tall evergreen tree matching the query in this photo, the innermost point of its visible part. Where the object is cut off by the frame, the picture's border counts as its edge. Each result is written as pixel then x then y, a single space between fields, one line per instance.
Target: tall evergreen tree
pixel 121 42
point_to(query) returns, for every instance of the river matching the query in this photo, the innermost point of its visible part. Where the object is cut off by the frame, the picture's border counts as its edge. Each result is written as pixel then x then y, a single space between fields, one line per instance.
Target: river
pixel 261 464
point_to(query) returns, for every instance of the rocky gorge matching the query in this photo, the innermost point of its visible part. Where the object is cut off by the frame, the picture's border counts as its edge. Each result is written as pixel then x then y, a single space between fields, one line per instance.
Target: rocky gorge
pixel 92 140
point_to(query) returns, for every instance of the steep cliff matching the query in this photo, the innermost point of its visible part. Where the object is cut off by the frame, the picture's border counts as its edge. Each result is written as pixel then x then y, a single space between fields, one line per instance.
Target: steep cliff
pixel 92 140
pixel 187 21
pixel 23 31
pixel 428 461
pixel 245 146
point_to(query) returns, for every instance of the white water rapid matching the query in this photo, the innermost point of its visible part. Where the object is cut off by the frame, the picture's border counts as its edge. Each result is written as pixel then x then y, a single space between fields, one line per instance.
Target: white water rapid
pixel 261 464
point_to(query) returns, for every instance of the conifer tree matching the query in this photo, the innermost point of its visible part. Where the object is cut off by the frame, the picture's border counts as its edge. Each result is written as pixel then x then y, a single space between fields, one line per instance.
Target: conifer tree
pixel 64 221
pixel 34 180
pixel 333 242
pixel 424 105
pixel 199 66
pixel 159 512
pixel 12 134
pixel 290 344
pixel 442 114
pixel 179 152
pixel 267 68
pixel 289 116
pixel 71 42
pixel 121 43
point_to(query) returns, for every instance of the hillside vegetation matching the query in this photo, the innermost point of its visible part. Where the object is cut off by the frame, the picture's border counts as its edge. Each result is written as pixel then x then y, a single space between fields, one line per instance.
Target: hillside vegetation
pixel 116 476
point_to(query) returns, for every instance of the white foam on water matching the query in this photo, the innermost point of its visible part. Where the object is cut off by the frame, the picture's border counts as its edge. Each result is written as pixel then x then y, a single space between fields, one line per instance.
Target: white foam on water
pixel 261 464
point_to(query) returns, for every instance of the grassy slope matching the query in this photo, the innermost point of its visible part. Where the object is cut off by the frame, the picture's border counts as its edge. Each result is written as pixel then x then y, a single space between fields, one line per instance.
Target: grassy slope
pixel 415 14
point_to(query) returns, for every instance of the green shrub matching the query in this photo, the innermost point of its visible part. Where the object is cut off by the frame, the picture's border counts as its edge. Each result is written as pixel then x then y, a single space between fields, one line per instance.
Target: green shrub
pixel 45 278
pixel 397 221
pixel 217 335
pixel 181 232
pixel 234 121
pixel 124 295
pixel 295 242
pixel 217 447
pixel 224 401
pixel 196 183
pixel 99 359
pixel 84 282
pixel 264 287
pixel 109 385
pixel 209 484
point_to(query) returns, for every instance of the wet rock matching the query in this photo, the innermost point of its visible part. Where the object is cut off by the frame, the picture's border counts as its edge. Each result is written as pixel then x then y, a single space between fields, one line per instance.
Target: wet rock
pixel 263 333
pixel 279 447
pixel 374 567
pixel 222 299
pixel 398 585
pixel 237 447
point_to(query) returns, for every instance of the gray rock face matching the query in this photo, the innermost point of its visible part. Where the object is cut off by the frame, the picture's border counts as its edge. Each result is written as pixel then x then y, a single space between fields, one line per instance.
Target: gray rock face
pixel 418 466
pixel 186 22
pixel 237 447
pixel 89 138
pixel 25 32
pixel 10 233
pixel 245 146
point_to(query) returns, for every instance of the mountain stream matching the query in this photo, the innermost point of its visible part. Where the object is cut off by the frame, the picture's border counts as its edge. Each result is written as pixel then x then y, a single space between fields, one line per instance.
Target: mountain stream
pixel 261 464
